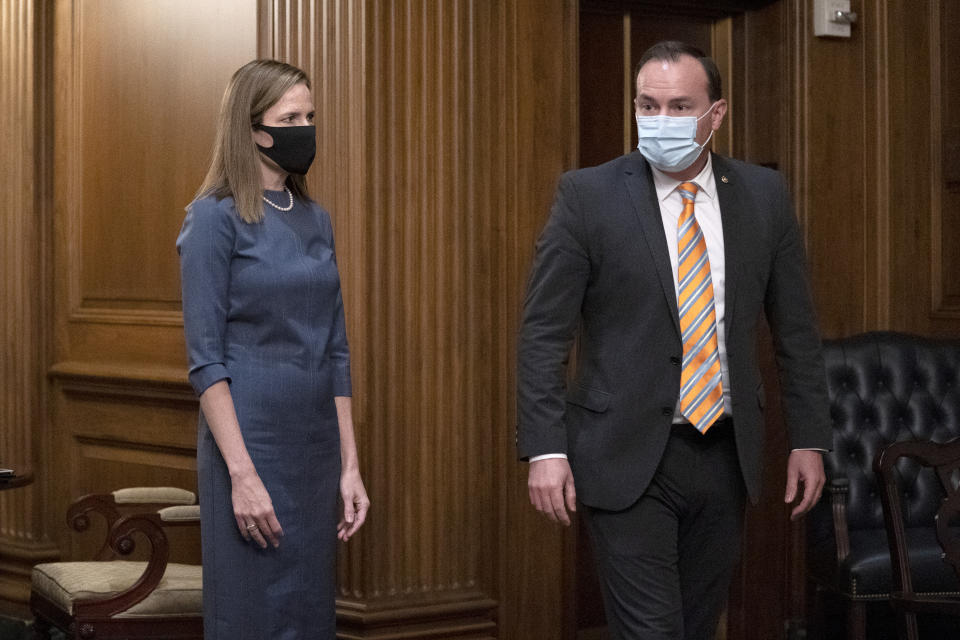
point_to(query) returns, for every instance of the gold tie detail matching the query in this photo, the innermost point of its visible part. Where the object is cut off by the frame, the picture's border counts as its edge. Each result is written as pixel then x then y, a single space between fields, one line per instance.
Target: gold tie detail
pixel 701 389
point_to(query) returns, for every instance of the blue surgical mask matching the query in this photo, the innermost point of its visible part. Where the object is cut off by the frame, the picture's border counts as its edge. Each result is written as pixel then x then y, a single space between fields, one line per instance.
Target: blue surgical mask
pixel 670 142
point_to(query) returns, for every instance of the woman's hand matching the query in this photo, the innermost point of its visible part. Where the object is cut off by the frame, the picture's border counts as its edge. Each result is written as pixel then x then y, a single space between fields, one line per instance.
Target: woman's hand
pixel 355 504
pixel 253 510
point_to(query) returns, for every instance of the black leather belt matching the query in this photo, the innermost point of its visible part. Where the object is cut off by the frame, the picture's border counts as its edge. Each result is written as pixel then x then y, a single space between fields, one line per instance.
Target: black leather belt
pixel 722 428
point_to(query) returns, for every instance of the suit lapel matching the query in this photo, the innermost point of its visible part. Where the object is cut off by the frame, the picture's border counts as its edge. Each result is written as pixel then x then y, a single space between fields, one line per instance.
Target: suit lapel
pixel 732 214
pixel 643 196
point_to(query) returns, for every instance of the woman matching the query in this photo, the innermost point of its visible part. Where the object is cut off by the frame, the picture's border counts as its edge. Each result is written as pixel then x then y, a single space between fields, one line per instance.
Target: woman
pixel 267 348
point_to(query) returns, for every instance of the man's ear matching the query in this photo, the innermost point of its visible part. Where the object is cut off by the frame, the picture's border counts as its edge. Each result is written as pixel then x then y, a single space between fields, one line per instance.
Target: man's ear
pixel 719 112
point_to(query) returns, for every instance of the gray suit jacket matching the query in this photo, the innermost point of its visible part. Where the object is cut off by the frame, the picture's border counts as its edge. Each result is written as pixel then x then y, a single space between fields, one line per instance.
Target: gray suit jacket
pixel 602 275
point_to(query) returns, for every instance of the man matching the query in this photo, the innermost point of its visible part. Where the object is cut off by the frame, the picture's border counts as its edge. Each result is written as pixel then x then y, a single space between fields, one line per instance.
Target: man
pixel 660 263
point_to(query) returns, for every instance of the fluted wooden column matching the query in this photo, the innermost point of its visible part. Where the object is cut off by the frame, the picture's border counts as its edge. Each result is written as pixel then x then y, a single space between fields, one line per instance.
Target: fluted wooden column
pixel 442 128
pixel 24 218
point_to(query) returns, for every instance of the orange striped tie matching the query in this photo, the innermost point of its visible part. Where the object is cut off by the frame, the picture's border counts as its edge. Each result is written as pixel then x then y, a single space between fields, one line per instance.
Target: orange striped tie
pixel 701 389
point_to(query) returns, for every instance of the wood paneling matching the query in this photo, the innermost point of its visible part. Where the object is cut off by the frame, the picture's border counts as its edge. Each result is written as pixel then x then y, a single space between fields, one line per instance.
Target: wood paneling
pixel 133 104
pixel 539 132
pixel 134 119
pixel 438 163
pixel 945 135
pixel 604 83
pixel 24 299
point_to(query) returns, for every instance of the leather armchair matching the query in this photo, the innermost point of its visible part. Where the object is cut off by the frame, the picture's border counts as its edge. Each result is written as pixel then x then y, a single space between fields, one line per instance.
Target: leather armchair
pixel 884 387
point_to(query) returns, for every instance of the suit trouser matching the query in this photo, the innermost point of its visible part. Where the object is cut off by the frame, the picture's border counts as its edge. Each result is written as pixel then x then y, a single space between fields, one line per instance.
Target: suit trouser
pixel 665 562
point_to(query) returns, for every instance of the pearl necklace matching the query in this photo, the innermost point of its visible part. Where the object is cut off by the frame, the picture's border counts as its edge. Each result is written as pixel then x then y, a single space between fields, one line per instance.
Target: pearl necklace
pixel 278 207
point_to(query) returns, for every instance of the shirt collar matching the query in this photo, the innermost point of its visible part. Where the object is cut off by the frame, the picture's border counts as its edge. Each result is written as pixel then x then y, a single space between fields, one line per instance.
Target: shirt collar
pixel 665 185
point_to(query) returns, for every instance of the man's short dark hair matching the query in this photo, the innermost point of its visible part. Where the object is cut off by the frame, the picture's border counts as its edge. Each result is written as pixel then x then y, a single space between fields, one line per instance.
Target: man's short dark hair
pixel 672 50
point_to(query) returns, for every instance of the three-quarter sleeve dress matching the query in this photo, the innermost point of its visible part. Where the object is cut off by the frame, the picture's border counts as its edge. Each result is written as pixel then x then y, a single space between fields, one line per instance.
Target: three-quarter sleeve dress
pixel 263 310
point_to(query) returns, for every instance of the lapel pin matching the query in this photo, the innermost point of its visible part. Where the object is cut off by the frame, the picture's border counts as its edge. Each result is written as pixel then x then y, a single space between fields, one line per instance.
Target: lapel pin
pixel 723 179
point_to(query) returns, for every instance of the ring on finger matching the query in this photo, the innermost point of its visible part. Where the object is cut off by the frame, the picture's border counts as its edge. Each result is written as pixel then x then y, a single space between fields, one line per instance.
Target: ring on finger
pixel 252 526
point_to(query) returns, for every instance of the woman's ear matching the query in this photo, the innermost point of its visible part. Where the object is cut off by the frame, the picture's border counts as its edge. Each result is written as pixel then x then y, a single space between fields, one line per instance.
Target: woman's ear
pixel 262 138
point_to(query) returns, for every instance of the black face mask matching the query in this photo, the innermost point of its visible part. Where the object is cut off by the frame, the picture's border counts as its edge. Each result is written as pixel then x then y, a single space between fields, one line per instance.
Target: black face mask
pixel 293 147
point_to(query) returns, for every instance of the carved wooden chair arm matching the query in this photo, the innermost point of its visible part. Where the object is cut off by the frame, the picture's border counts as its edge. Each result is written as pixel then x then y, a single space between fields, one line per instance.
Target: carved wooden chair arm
pixel 838 490
pixel 121 541
pixel 945 460
pixel 107 505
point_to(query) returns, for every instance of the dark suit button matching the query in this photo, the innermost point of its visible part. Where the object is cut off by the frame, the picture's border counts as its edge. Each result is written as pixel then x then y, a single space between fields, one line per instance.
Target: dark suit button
pixel 667 411
pixel 675 360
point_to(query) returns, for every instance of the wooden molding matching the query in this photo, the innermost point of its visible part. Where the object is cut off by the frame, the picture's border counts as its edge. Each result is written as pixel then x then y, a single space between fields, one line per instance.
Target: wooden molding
pixel 137 453
pixel 944 192
pixel 142 317
pixel 119 373
pixel 454 615
pixel 877 292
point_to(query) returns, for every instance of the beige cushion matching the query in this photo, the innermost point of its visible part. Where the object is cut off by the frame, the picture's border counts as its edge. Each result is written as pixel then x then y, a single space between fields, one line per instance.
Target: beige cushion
pixel 190 513
pixel 155 495
pixel 178 594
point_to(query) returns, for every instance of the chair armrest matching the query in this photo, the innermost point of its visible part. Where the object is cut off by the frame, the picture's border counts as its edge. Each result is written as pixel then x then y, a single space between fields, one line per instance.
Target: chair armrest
pixel 120 539
pixel 106 504
pixel 78 517
pixel 179 515
pixel 838 489
pixel 154 495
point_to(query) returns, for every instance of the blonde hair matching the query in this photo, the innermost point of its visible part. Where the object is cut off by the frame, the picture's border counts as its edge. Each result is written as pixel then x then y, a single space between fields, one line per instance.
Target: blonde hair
pixel 235 166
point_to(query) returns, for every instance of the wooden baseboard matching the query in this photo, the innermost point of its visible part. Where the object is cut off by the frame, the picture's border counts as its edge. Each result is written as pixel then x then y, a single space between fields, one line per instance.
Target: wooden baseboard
pixel 466 616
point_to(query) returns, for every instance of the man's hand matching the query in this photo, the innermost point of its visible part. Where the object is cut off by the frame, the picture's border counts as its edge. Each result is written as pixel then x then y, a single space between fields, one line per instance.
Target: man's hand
pixel 550 483
pixel 806 468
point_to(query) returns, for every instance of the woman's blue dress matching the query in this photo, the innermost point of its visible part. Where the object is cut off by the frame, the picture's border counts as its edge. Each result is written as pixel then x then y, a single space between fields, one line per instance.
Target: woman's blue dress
pixel 262 309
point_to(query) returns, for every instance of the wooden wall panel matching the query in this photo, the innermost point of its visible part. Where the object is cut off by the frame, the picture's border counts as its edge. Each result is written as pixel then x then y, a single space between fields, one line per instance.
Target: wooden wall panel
pixel 868 147
pixel 134 118
pixel 24 265
pixel 835 164
pixel 438 161
pixel 945 134
pixel 540 132
pixel 910 36
pixel 132 106
pixel 140 101
pixel 603 84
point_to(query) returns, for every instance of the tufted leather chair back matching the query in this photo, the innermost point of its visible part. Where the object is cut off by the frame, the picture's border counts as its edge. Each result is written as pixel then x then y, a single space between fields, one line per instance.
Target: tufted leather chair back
pixel 885 387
